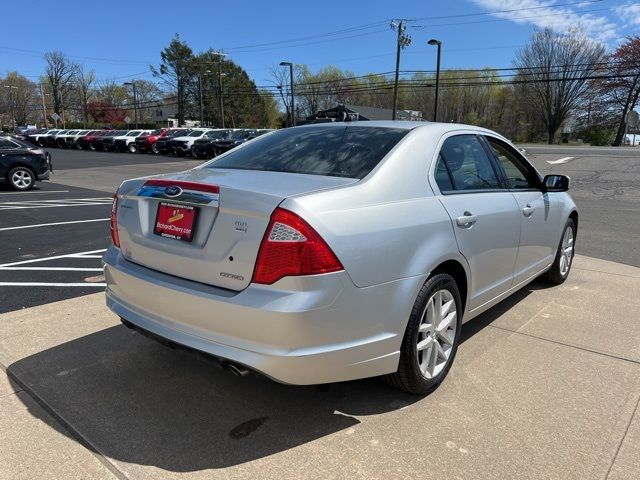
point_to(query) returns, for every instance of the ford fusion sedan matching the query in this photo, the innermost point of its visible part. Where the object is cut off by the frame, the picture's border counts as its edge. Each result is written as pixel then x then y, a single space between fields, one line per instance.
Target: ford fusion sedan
pixel 333 252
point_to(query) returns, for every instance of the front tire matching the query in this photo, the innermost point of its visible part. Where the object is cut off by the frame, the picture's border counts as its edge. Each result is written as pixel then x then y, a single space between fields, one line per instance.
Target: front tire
pixel 561 267
pixel 21 179
pixel 132 148
pixel 432 336
pixel 154 149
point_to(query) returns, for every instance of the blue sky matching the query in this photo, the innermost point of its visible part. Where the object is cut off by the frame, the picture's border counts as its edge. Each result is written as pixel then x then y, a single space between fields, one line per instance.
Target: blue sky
pixel 119 39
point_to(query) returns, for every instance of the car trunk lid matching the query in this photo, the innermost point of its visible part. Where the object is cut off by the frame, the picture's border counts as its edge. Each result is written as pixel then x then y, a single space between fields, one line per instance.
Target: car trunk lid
pixel 231 211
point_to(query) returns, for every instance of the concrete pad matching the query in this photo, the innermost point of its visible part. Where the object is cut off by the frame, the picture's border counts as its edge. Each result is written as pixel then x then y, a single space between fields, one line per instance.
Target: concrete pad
pixel 513 406
pixel 597 309
pixel 627 463
pixel 32 446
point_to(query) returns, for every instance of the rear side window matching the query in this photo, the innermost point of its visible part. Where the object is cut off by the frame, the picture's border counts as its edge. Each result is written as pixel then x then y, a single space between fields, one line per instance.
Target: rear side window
pixel 349 151
pixel 468 165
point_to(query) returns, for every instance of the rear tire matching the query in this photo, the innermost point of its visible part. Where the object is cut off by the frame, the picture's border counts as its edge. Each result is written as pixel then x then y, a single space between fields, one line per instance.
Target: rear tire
pixel 431 340
pixel 561 267
pixel 21 179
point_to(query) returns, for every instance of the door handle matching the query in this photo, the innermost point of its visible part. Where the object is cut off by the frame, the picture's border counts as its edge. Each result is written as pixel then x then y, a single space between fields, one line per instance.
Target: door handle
pixel 527 211
pixel 466 220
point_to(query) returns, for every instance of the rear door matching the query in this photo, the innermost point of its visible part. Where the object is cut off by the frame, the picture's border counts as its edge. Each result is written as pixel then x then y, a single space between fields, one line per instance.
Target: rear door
pixel 538 212
pixel 485 216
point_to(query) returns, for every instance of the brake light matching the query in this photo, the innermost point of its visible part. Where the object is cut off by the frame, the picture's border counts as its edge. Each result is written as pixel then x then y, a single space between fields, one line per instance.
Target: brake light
pixel 113 221
pixel 291 247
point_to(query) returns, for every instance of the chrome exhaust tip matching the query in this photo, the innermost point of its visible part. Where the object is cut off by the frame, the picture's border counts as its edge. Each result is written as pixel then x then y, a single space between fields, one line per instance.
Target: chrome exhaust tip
pixel 235 369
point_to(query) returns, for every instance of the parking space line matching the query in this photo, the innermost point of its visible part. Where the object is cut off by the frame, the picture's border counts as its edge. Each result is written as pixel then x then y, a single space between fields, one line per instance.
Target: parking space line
pixel 33 193
pixel 46 284
pixel 52 269
pixel 72 255
pixel 52 224
pixel 70 202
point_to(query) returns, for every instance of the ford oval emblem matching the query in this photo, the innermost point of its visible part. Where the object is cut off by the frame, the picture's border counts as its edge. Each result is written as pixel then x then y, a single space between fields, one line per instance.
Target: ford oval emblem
pixel 173 191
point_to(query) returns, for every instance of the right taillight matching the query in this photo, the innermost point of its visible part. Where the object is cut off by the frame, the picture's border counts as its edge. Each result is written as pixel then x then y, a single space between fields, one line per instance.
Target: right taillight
pixel 113 221
pixel 291 247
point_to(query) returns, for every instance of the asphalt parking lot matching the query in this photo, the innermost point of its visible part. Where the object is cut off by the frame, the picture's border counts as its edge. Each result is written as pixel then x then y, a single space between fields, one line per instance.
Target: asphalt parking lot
pixel 545 385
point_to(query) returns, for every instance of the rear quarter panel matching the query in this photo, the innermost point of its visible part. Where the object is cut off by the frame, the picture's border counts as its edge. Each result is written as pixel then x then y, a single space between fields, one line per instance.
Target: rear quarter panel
pixel 389 225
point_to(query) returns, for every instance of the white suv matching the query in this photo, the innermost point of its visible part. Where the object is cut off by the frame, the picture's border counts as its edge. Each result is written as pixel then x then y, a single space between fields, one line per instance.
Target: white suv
pixel 183 145
pixel 127 142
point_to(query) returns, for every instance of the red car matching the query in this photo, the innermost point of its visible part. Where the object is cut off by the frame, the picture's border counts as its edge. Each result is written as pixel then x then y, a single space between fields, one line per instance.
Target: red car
pixel 145 143
pixel 87 142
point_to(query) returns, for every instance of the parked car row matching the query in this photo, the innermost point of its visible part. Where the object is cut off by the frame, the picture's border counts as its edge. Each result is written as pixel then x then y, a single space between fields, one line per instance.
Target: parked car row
pixel 197 142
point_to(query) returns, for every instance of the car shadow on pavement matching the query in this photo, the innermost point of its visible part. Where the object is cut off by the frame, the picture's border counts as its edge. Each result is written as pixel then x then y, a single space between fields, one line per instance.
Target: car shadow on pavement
pixel 134 400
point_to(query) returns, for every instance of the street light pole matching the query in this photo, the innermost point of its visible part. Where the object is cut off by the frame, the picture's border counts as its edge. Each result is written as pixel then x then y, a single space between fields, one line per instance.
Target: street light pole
pixel 293 97
pixel 438 43
pixel 403 41
pixel 135 100
pixel 11 99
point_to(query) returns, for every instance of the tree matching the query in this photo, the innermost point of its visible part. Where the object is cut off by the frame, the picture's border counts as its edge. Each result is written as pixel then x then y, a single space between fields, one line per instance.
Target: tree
pixel 20 98
pixel 623 89
pixel 84 82
pixel 176 71
pixel 557 68
pixel 60 75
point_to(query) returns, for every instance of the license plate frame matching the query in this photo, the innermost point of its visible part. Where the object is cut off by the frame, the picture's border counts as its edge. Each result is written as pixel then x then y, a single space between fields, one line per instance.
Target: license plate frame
pixel 181 229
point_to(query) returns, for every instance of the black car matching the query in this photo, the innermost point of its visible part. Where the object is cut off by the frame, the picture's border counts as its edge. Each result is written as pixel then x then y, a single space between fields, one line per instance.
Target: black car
pixel 164 145
pixel 236 138
pixel 49 140
pixel 203 147
pixel 21 164
pixel 108 142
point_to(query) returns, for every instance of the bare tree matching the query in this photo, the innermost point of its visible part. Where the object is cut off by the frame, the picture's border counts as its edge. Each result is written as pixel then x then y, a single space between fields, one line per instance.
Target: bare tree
pixel 60 75
pixel 84 82
pixel 557 68
pixel 280 78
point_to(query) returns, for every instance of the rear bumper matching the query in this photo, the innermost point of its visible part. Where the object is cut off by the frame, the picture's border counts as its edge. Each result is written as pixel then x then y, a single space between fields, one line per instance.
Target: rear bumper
pixel 301 331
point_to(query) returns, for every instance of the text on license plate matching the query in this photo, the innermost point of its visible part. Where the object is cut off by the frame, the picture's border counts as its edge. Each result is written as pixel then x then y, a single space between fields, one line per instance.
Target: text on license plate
pixel 176 221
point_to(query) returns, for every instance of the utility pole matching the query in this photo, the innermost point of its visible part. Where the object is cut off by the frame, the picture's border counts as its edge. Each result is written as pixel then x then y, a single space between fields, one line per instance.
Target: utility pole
pixel 220 99
pixel 293 97
pixel 12 100
pixel 135 100
pixel 44 108
pixel 403 41
pixel 432 42
pixel 201 104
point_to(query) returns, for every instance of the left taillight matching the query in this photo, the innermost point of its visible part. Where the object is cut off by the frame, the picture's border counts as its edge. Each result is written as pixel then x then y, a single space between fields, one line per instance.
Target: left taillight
pixel 113 221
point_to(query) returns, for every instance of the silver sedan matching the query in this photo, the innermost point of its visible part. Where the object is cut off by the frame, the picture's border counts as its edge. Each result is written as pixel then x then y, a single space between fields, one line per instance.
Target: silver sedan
pixel 337 251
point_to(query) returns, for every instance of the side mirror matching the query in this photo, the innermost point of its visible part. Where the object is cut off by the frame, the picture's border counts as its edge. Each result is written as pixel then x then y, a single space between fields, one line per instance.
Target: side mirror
pixel 556 183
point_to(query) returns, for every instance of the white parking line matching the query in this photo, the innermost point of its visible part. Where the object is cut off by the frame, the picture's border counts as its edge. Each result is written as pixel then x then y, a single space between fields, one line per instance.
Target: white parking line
pixel 560 160
pixel 33 193
pixel 4 229
pixel 53 269
pixel 44 284
pixel 68 202
pixel 73 255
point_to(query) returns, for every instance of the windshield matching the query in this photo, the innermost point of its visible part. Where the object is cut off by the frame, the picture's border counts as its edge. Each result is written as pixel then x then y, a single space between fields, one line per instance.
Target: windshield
pixel 349 151
pixel 217 134
pixel 239 135
pixel 179 133
pixel 155 132
pixel 196 133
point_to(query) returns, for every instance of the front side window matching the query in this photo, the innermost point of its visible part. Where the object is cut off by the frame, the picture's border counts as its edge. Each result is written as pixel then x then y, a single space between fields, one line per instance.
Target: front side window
pixel 467 164
pixel 517 175
pixel 350 151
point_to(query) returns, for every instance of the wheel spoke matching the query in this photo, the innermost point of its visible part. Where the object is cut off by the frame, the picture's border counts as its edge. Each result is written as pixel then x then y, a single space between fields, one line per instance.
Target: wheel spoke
pixel 427 342
pixel 444 336
pixel 433 359
pixel 446 323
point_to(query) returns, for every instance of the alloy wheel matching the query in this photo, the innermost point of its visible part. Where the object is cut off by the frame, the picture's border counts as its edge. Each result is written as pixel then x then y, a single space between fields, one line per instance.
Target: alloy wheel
pixel 22 179
pixel 436 333
pixel 566 251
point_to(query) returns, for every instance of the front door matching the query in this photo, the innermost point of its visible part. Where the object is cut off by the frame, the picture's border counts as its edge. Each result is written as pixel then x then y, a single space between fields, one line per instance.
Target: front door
pixel 538 213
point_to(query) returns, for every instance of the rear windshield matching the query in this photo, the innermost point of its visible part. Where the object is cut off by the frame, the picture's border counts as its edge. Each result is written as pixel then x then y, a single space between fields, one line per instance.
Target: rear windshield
pixel 350 152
